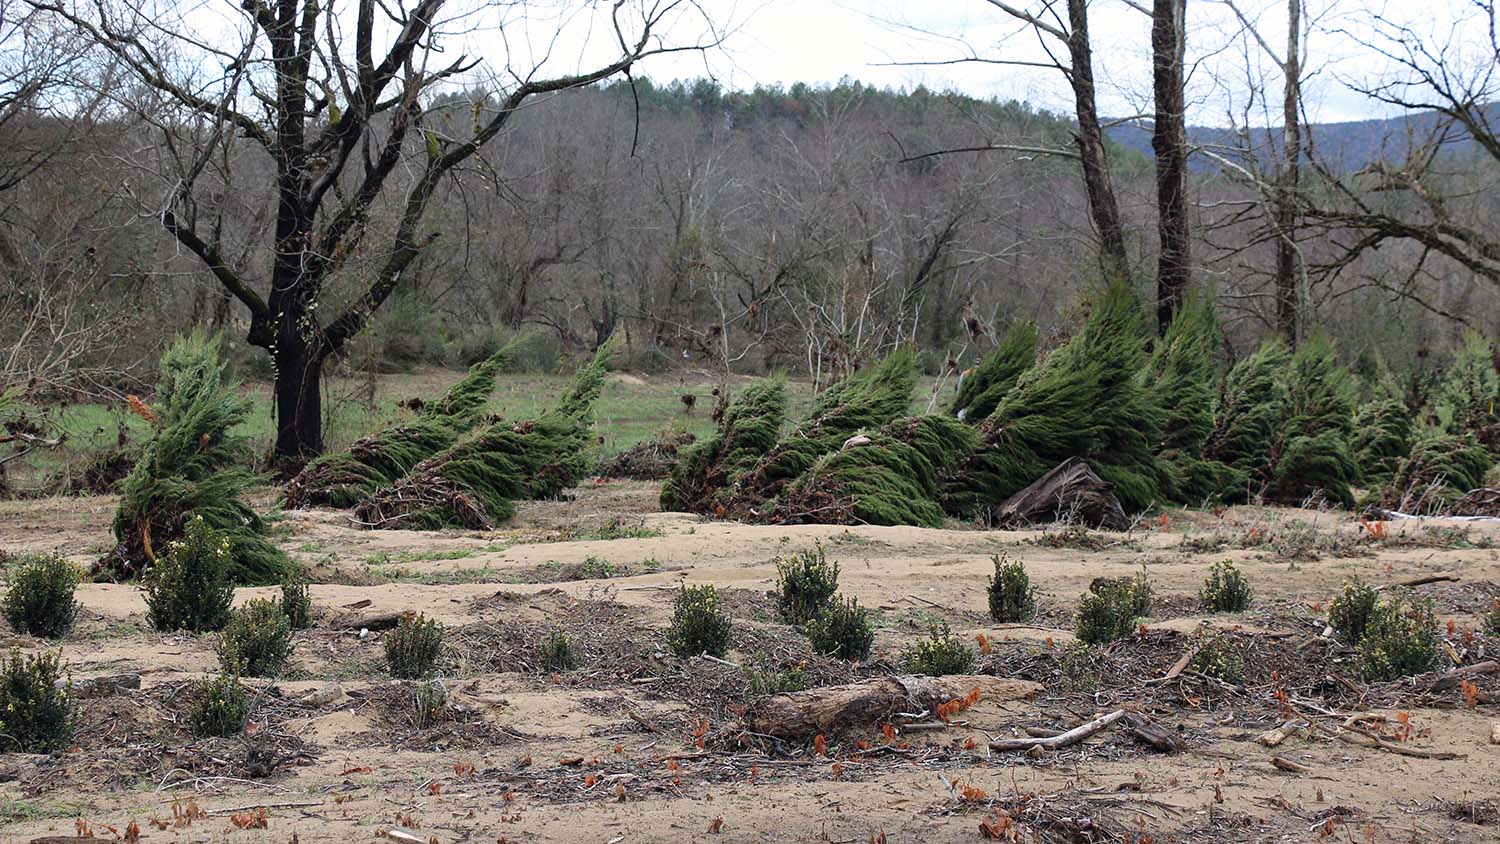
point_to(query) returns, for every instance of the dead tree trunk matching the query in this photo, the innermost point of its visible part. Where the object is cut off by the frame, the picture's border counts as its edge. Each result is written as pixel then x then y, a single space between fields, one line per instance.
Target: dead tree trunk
pixel 883 700
pixel 1169 142
pixel 1097 183
pixel 1288 261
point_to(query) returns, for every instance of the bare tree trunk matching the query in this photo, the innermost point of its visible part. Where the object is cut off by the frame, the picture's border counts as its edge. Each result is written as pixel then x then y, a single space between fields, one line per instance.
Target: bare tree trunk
pixel 1169 142
pixel 1091 150
pixel 1288 262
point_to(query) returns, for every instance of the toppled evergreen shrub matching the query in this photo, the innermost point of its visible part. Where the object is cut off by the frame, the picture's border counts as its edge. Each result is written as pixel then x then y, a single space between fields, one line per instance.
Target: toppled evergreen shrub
pixel 1110 610
pixel 1250 415
pixel 413 647
pixel 474 484
pixel 699 625
pixel 296 603
pixel 862 401
pixel 652 460
pixel 257 640
pixel 221 707
pixel 1086 399
pixel 1382 439
pixel 1012 597
pixel 981 389
pixel 891 477
pixel 1218 658
pixel 843 629
pixel 941 653
pixel 345 478
pixel 193 466
pixel 1226 589
pixel 1468 399
pixel 1311 455
pixel 763 676
pixel 36 703
pixel 805 584
pixel 558 653
pixel 1349 613
pixel 710 466
pixel 40 601
pixel 1400 640
pixel 189 588
pixel 1442 468
pixel 1185 378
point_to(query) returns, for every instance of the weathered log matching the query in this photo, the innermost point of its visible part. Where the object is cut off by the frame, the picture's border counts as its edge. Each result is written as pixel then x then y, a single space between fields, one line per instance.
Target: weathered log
pixel 1060 740
pixel 1145 730
pixel 108 685
pixel 834 709
pixel 1070 491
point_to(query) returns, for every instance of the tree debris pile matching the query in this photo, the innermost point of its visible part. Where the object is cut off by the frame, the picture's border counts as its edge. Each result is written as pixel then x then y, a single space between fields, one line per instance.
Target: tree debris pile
pixel 474 484
pixel 651 460
pixel 863 401
pixel 345 478
pixel 747 430
pixel 194 465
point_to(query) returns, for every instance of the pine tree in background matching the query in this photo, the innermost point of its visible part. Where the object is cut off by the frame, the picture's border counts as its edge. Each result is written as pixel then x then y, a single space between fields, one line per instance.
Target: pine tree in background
pixel 1185 378
pixel 194 465
pixel 863 401
pixel 1090 399
pixel 1440 470
pixel 1249 415
pixel 345 478
pixel 474 484
pixel 1468 400
pixel 748 429
pixel 1310 454
pixel 982 388
pixel 891 477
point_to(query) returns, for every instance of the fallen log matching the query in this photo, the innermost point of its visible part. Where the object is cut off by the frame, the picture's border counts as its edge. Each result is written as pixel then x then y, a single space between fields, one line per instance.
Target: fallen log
pixel 375 623
pixel 1070 490
pixel 862 705
pixel 1060 740
pixel 1450 679
pixel 1145 730
pixel 108 685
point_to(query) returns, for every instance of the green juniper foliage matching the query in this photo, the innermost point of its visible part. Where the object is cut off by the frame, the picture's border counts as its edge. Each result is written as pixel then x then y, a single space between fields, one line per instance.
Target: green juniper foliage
pixel 194 465
pixel 345 478
pixel 805 584
pixel 1311 452
pixel 221 707
pixel 1249 414
pixel 981 389
pixel 1399 641
pixel 1185 379
pixel 710 466
pixel 1468 400
pixel 36 703
pixel 40 601
pixel 1226 589
pixel 413 647
pixel 843 629
pixel 891 477
pixel 474 484
pixel 1441 469
pixel 939 654
pixel 1349 613
pixel 296 603
pixel 1087 399
pixel 189 588
pixel 862 401
pixel 1012 597
pixel 257 640
pixel 699 625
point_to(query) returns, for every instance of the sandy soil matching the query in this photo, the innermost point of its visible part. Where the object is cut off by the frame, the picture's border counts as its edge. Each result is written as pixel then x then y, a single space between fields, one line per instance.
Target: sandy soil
pixel 607 753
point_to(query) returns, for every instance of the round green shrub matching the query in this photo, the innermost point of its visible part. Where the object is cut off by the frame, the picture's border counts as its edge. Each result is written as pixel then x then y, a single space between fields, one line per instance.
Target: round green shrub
pixel 1012 597
pixel 1226 589
pixel 1111 608
pixel 699 625
pixel 221 707
pixel 296 603
pixel 805 584
pixel 256 641
pixel 36 703
pixel 843 629
pixel 413 647
pixel 1400 640
pixel 941 653
pixel 40 601
pixel 189 587
pixel 1349 613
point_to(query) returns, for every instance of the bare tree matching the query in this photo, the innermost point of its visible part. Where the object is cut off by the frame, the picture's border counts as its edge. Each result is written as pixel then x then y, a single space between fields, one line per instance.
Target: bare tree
pixel 314 101
pixel 1169 141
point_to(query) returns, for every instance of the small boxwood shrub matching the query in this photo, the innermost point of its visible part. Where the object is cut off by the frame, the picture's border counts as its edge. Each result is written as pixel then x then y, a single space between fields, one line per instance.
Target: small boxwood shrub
pixel 1350 612
pixel 296 603
pixel 763 676
pixel 805 584
pixel 1225 590
pixel 1012 597
pixel 1400 640
pixel 189 587
pixel 413 647
pixel 558 653
pixel 256 641
pixel 36 703
pixel 843 629
pixel 221 707
pixel 40 601
pixel 1218 658
pixel 699 625
pixel 1108 612
pixel 940 653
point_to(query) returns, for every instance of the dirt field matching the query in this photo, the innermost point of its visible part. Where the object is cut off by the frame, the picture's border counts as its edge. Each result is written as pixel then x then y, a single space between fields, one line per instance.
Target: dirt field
pixel 608 753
